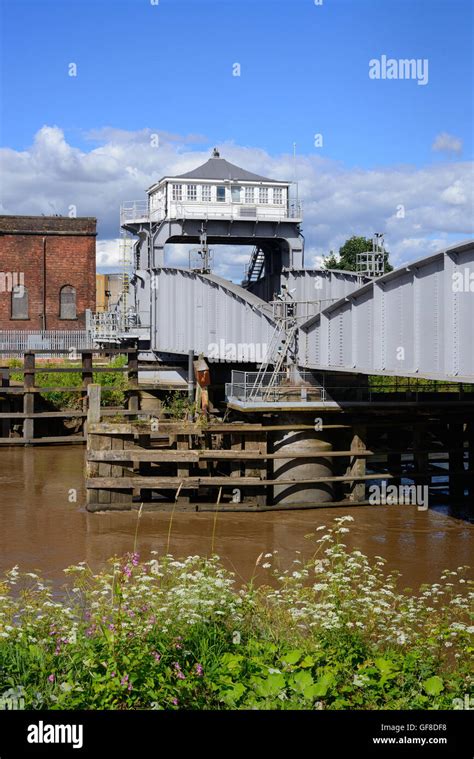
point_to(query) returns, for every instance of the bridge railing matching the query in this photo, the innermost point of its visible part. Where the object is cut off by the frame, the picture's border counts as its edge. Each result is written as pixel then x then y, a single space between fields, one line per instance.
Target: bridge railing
pixel 134 211
pixel 273 387
pixel 15 342
pixel 242 388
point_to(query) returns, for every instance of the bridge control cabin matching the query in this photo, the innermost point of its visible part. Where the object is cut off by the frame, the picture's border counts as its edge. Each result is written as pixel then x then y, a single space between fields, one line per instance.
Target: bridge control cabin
pixel 215 190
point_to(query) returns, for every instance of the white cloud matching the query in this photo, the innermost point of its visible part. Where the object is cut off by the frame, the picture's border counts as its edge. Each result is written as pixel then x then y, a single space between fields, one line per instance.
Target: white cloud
pixel 108 254
pixel 437 199
pixel 447 143
pixel 456 194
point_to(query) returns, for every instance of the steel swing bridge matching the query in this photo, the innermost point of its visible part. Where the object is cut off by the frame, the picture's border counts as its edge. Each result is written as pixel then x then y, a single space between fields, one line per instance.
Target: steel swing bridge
pixel 415 322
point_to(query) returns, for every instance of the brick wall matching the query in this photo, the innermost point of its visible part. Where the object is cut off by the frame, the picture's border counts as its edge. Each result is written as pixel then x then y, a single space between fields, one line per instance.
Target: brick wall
pixel 65 249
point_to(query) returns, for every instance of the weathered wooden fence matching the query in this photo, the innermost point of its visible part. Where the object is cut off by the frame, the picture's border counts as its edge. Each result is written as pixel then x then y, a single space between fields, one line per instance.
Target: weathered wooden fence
pixel 30 392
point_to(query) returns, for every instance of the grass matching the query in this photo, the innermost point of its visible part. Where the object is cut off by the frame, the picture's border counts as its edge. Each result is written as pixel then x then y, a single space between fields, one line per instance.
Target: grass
pixel 334 632
pixel 113 383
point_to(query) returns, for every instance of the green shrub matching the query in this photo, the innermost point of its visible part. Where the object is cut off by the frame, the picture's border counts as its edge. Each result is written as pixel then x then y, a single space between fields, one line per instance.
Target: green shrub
pixel 332 633
pixel 113 384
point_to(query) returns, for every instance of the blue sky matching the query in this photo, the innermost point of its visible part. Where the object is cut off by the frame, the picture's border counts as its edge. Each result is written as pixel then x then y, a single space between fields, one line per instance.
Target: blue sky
pixel 303 71
pixel 167 68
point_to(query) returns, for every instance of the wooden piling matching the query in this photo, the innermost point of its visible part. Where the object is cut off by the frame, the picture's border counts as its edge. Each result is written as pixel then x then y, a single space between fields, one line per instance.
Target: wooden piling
pixel 102 438
pixel 456 461
pixel 93 403
pixel 357 466
pixel 470 460
pixel 28 397
pixel 5 404
pixel 257 442
pixel 420 454
pixel 87 377
pixel 133 393
pixel 183 468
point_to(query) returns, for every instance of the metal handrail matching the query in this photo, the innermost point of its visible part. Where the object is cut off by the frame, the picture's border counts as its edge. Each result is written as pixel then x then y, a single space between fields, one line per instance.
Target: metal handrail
pixel 132 210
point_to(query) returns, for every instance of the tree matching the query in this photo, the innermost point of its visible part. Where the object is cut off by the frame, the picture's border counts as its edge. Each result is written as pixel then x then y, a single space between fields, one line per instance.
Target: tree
pixel 347 260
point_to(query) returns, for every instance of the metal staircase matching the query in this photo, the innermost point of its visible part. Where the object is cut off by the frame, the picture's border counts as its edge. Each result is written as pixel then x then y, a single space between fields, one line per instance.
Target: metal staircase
pixel 281 344
pixel 126 247
pixel 255 266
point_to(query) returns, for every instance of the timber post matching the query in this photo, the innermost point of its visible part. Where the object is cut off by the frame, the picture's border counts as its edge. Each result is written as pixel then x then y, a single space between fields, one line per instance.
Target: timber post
pixel 132 374
pixel 28 397
pixel 5 404
pixel 357 466
pixel 470 460
pixel 87 378
pixel 93 403
pixel 420 455
pixel 456 460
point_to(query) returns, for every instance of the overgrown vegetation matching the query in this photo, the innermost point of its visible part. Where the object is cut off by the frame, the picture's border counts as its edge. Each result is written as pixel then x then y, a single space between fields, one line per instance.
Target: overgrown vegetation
pixel 332 633
pixel 177 405
pixel 384 384
pixel 113 383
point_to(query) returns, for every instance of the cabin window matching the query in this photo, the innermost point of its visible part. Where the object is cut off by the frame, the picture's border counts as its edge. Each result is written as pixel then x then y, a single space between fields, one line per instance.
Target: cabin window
pixel 19 308
pixel 236 194
pixel 191 192
pixel 206 193
pixel 263 195
pixel 277 195
pixel 67 302
pixel 221 194
pixel 249 195
pixel 177 191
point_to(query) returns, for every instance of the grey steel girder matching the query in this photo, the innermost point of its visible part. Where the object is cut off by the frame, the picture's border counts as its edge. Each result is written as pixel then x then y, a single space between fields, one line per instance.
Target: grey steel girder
pixel 415 321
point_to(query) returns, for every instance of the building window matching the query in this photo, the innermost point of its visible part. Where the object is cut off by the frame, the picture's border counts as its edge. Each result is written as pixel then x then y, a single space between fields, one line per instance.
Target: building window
pixel 263 195
pixel 206 193
pixel 19 302
pixel 67 302
pixel 221 194
pixel 191 192
pixel 277 195
pixel 177 191
pixel 249 195
pixel 235 193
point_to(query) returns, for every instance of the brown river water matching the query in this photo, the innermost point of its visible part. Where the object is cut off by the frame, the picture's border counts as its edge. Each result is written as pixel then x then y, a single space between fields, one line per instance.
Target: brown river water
pixel 40 529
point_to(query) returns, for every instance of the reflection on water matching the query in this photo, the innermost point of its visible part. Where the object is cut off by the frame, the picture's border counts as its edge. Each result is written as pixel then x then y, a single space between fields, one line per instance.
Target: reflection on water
pixel 40 528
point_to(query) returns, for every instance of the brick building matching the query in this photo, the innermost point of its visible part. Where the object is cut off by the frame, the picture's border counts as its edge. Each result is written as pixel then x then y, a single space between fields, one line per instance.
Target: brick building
pixel 47 272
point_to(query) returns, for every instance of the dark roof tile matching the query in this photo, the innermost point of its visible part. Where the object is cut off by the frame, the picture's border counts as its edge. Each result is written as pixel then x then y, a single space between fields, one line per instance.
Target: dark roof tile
pixel 219 168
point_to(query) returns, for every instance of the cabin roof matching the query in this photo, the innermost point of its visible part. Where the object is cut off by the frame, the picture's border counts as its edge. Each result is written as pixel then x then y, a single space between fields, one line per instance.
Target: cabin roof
pixel 219 168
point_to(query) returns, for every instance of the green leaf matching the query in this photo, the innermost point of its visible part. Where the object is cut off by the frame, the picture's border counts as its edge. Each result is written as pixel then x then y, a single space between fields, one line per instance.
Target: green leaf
pixel 433 686
pixel 324 683
pixel 384 665
pixel 308 661
pixel 302 680
pixel 271 686
pixel 231 696
pixel 232 662
pixel 292 657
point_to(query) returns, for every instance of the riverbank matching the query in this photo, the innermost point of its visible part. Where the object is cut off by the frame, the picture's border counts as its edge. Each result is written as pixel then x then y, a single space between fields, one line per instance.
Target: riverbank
pixel 333 632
